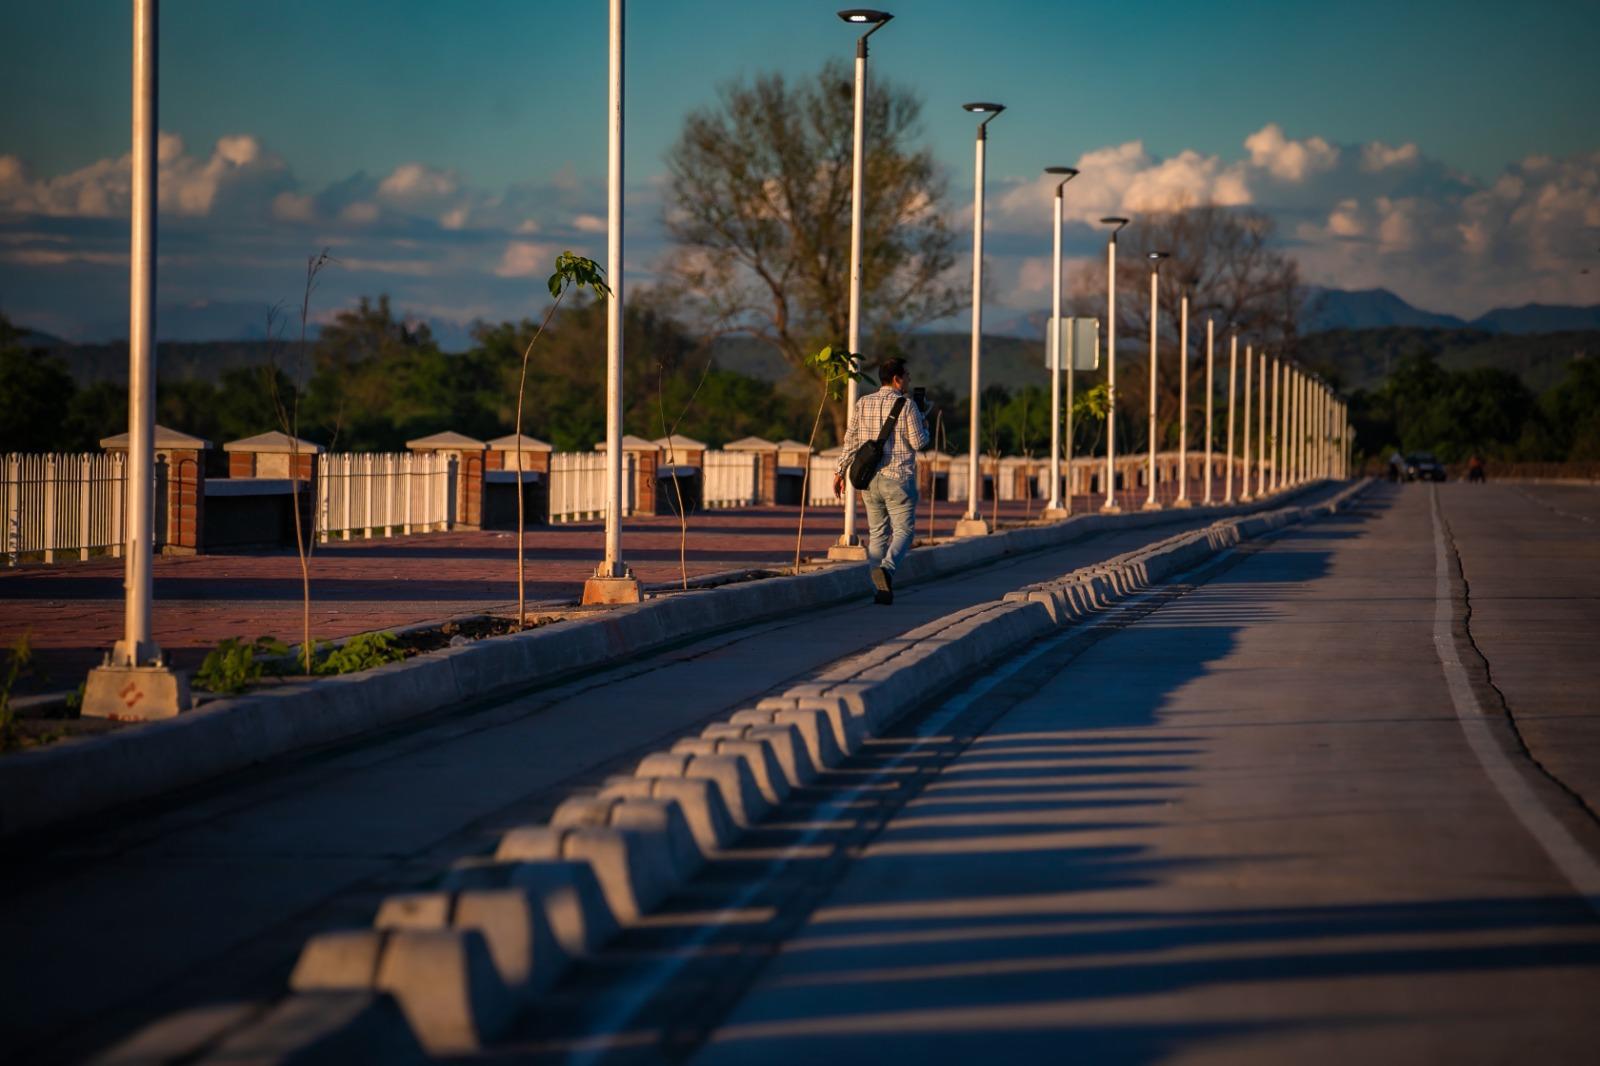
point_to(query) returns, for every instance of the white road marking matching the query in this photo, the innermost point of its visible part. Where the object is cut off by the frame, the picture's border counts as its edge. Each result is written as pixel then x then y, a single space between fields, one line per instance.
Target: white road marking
pixel 1571 858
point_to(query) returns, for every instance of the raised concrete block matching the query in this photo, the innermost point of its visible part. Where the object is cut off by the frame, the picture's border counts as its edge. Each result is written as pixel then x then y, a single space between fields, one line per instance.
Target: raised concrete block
pixel 319 1029
pixel 635 870
pixel 788 749
pixel 700 801
pixel 758 756
pixel 135 693
pixel 512 920
pixel 447 985
pixel 732 776
pixel 574 903
pixel 444 979
pixel 662 818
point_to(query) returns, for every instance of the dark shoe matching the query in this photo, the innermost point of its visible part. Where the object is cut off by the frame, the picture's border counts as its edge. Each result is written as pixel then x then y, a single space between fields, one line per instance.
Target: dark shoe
pixel 884 584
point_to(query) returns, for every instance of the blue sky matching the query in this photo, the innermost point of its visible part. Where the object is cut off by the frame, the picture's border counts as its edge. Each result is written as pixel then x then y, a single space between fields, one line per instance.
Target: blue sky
pixel 1288 107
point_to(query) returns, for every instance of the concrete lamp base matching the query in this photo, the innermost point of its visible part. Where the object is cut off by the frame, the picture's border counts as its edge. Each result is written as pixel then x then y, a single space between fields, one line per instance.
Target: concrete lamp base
pixel 847 553
pixel 1110 508
pixel 1150 505
pixel 135 693
pixel 1053 514
pixel 972 527
pixel 1183 504
pixel 611 591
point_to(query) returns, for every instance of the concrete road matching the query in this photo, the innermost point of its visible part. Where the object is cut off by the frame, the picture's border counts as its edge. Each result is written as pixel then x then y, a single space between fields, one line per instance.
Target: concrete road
pixel 1278 815
pixel 207 897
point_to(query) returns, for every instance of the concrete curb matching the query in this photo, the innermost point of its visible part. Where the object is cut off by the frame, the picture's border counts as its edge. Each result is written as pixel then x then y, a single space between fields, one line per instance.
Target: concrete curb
pixel 458 960
pixel 45 786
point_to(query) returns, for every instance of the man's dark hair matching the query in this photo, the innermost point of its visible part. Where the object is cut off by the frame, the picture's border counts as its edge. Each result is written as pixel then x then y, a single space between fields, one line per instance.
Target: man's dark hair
pixel 891 368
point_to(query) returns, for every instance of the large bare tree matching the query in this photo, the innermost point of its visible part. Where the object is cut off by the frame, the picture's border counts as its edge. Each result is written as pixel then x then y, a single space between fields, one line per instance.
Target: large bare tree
pixel 758 202
pixel 1234 274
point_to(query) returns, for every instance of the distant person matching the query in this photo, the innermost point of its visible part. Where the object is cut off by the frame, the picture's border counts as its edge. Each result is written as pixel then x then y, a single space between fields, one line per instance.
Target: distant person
pixel 891 497
pixel 1475 470
pixel 1397 467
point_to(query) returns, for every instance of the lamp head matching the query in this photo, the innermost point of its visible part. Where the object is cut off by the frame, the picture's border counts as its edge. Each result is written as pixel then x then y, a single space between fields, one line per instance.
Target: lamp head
pixel 982 108
pixel 1070 172
pixel 1116 222
pixel 864 15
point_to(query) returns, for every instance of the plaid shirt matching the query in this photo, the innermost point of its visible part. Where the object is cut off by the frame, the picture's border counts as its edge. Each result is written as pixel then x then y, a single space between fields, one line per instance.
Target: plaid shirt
pixel 900 450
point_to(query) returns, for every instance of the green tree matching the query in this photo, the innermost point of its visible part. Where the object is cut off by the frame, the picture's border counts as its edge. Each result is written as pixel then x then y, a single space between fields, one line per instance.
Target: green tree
pixel 758 201
pixel 36 395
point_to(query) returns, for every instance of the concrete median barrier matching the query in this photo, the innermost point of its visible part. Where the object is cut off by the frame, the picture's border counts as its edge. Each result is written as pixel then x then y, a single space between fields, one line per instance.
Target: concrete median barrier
pixel 758 756
pixel 788 749
pixel 663 817
pixel 700 802
pixel 444 980
pixel 512 920
pixel 635 870
pixel 812 726
pixel 732 777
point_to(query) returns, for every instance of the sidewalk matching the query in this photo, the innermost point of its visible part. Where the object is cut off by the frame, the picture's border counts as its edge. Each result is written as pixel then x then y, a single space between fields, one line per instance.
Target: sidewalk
pixel 74 611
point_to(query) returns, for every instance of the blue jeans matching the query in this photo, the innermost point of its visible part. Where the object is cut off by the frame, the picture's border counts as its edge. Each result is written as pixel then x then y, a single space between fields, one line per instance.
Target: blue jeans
pixel 891 514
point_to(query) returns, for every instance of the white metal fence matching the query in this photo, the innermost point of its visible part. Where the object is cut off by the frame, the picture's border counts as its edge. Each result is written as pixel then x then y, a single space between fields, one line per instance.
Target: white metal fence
pixel 380 494
pixel 732 479
pixel 820 491
pixel 61 505
pixel 578 485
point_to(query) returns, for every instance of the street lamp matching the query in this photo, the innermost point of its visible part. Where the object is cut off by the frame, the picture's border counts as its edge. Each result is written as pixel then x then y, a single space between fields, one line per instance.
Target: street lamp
pixel 1116 225
pixel 1183 395
pixel 1054 509
pixel 1155 258
pixel 133 681
pixel 848 548
pixel 1261 430
pixel 613 582
pixel 972 525
pixel 1245 495
pixel 1211 396
pixel 1233 390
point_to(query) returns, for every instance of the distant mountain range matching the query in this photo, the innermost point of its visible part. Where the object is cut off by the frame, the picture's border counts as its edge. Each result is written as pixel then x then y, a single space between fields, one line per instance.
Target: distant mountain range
pixel 1378 308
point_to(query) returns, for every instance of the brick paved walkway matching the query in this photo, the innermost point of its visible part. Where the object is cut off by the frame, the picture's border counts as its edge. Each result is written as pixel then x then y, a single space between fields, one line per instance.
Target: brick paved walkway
pixel 74 611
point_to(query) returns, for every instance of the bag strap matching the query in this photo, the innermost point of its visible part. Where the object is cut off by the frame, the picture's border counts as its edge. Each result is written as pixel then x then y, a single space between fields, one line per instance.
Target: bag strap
pixel 889 423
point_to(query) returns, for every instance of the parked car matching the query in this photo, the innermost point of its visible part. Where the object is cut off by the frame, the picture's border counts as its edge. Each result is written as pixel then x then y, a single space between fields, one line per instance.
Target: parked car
pixel 1420 466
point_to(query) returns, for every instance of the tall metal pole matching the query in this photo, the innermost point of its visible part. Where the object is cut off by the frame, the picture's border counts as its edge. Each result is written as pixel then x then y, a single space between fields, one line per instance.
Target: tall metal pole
pixel 1245 494
pixel 614 163
pixel 971 524
pixel 1150 502
pixel 137 648
pixel 1278 437
pixel 613 582
pixel 1233 375
pixel 1054 508
pixel 1261 430
pixel 1111 368
pixel 847 540
pixel 1183 400
pixel 1211 397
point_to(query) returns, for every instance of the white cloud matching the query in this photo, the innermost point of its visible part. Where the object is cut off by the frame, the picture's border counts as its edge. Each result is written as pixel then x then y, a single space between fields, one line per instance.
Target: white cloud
pixel 360 213
pixel 589 224
pixel 1288 159
pixel 523 259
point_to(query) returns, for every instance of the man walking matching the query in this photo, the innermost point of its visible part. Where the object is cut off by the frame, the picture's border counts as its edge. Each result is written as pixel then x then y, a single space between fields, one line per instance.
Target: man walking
pixel 891 498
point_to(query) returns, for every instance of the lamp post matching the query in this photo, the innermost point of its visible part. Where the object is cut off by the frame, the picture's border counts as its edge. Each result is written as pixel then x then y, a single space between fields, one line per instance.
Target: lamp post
pixel 1279 438
pixel 133 681
pixel 972 525
pixel 1245 495
pixel 1054 508
pixel 613 582
pixel 848 546
pixel 1183 396
pixel 1261 430
pixel 1116 225
pixel 1233 375
pixel 1150 502
pixel 1210 402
